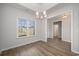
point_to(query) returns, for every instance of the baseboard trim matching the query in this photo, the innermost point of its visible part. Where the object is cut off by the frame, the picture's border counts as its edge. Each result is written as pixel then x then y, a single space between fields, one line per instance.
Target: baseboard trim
pixel 75 51
pixel 17 46
pixel 66 41
pixel 45 40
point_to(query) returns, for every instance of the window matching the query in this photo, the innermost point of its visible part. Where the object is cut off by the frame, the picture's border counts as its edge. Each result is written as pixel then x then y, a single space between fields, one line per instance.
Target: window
pixel 25 27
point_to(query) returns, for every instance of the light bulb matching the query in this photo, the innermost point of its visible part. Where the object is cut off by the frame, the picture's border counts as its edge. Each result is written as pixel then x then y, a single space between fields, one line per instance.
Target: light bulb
pixel 44 12
pixel 37 13
pixel 41 17
pixel 64 16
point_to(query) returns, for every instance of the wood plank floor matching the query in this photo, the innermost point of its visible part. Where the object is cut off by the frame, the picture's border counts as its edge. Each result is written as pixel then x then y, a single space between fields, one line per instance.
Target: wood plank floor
pixel 53 47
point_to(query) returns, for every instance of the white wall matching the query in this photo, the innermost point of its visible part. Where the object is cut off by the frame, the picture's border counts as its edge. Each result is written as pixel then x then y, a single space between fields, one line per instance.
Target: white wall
pixel 66 29
pixel 44 30
pixel 49 28
pixel 74 8
pixel 8 16
pixel 75 24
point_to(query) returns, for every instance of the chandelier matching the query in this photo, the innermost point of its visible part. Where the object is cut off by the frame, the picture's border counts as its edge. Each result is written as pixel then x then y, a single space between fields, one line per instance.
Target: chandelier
pixel 41 15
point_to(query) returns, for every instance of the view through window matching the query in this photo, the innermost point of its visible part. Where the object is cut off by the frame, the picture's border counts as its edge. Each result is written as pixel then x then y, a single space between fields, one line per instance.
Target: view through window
pixel 25 27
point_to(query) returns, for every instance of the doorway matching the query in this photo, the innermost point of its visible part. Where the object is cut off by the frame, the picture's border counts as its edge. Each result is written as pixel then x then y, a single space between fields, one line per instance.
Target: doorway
pixel 57 31
pixel 61 30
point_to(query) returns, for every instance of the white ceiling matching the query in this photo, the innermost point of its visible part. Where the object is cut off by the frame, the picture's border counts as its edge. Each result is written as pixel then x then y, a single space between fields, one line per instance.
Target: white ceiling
pixel 61 16
pixel 40 7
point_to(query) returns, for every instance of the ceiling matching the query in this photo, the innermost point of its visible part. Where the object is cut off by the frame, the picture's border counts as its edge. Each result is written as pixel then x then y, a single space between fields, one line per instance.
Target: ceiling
pixel 40 7
pixel 61 16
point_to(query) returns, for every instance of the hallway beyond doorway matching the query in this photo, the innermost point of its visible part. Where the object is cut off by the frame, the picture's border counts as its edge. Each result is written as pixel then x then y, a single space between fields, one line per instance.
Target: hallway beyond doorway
pixel 57 29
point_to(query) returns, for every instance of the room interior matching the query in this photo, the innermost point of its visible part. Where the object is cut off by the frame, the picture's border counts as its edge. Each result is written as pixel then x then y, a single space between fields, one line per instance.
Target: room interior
pixel 39 29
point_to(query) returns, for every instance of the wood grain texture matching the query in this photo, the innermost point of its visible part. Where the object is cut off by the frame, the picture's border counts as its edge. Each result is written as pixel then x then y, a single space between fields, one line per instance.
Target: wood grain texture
pixel 53 47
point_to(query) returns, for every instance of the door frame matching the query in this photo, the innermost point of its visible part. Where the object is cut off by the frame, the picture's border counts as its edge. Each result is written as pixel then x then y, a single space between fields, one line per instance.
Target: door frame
pixel 72 33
